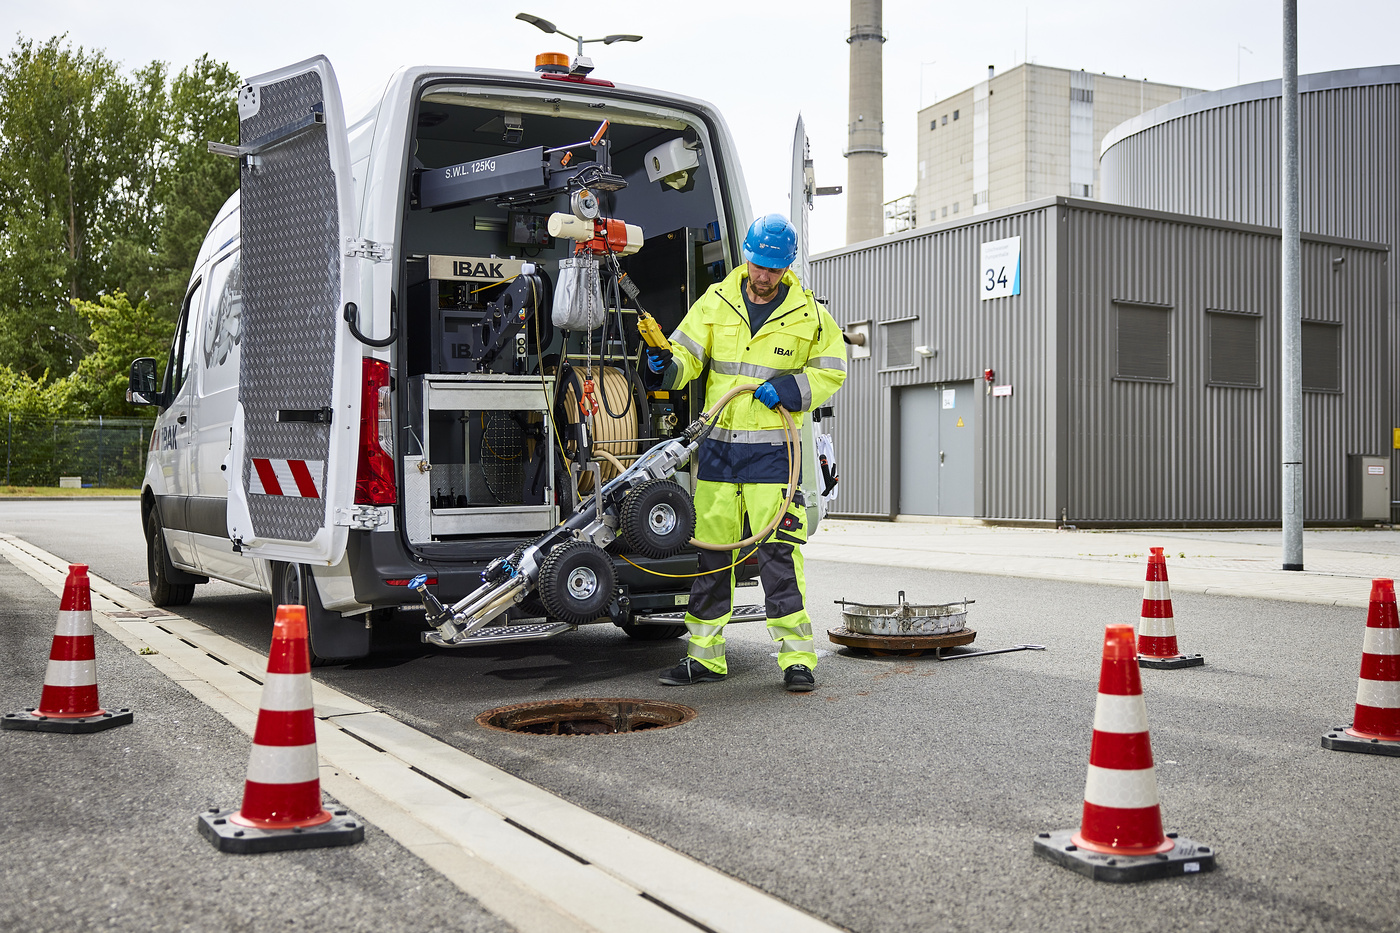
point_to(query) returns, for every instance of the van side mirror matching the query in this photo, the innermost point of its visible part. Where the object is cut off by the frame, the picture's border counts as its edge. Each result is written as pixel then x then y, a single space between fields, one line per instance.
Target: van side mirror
pixel 142 386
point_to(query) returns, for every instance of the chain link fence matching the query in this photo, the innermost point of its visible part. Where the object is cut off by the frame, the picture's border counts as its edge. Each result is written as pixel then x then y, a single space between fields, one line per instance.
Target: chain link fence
pixel 104 452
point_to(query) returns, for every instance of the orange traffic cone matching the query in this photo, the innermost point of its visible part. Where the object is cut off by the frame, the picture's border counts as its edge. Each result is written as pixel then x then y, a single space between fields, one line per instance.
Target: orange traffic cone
pixel 1120 837
pixel 69 700
pixel 1375 728
pixel 1157 628
pixel 282 796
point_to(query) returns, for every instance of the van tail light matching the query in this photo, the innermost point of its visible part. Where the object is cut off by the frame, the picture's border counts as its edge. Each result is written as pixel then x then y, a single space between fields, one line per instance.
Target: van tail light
pixel 374 477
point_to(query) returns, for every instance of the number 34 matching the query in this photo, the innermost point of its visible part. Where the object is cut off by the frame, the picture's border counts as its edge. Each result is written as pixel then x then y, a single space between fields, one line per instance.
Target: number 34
pixel 996 277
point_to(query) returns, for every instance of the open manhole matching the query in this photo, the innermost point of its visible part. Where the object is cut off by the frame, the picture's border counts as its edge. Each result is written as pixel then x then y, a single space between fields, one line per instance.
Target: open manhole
pixel 591 716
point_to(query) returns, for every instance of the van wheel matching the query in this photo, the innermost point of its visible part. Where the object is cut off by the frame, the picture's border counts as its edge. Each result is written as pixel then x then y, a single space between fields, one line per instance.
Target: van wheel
pixel 577 582
pixel 159 569
pixel 652 632
pixel 333 638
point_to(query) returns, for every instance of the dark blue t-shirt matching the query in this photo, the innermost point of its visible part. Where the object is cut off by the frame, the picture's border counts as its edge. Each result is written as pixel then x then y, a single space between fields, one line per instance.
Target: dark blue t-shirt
pixel 759 313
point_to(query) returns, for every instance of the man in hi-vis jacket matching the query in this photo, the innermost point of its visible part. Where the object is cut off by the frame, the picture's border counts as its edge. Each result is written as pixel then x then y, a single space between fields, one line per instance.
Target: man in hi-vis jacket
pixel 757 326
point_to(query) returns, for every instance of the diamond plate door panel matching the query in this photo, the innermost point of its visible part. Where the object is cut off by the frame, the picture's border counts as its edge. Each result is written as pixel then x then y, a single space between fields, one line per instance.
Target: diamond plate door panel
pixel 292 292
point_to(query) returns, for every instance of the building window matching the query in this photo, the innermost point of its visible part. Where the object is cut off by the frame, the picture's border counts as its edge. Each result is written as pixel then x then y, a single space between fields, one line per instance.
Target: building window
pixel 955 114
pixel 898 344
pixel 1322 356
pixel 1143 343
pixel 933 124
pixel 979 197
pixel 945 119
pixel 945 210
pixel 1082 94
pixel 1234 349
pixel 955 207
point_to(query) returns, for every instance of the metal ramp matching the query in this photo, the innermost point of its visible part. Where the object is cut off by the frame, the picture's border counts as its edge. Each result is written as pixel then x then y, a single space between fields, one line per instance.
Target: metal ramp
pixel 500 634
pixel 741 614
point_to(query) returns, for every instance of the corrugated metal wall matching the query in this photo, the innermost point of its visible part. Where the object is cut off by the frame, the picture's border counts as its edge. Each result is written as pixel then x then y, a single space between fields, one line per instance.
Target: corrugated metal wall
pixel 1217 155
pixel 1074 437
pixel 1186 450
pixel 933 276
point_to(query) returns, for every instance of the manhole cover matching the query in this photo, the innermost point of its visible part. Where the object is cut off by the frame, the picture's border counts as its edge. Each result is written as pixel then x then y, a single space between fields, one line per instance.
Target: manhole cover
pixel 592 716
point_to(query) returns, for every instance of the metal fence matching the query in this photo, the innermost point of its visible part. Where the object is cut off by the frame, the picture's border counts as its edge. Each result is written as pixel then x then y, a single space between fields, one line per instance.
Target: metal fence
pixel 104 452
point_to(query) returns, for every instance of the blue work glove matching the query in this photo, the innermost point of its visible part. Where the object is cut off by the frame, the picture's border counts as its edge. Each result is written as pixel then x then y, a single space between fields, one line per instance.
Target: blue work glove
pixel 766 394
pixel 657 359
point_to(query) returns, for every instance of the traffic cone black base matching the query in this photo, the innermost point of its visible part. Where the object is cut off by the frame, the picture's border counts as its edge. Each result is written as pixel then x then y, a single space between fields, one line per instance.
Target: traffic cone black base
pixel 1166 664
pixel 344 829
pixel 32 720
pixel 1185 858
pixel 1338 740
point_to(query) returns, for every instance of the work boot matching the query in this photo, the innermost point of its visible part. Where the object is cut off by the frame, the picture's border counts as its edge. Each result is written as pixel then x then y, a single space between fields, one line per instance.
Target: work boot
pixel 690 671
pixel 798 678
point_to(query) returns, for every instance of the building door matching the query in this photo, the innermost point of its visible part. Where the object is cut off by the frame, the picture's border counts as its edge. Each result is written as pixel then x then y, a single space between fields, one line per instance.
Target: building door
pixel 936 448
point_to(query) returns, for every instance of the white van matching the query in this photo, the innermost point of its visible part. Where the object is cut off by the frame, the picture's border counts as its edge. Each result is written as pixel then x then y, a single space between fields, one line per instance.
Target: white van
pixel 366 384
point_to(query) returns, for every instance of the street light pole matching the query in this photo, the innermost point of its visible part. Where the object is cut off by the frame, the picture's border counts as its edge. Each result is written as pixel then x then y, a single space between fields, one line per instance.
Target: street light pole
pixel 546 26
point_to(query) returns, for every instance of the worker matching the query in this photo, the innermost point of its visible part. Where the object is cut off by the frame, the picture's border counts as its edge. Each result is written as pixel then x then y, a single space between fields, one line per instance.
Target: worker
pixel 759 325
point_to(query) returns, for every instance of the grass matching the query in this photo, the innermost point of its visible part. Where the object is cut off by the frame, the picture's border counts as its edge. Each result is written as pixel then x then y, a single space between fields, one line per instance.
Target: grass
pixel 28 491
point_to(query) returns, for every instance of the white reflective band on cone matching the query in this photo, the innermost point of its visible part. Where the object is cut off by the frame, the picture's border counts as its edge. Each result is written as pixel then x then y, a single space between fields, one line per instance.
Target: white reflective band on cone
pixel 1121 714
pixel 1381 641
pixel 74 623
pixel 1156 628
pixel 71 673
pixel 1157 589
pixel 1127 790
pixel 1381 694
pixel 283 764
pixel 287 693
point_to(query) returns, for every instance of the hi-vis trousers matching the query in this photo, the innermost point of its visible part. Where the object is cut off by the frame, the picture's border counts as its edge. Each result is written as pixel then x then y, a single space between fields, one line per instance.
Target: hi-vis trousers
pixel 720 513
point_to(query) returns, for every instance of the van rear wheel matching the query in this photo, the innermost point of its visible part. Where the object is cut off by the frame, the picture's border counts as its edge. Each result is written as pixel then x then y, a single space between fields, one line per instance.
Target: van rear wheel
pixel 159 568
pixel 333 638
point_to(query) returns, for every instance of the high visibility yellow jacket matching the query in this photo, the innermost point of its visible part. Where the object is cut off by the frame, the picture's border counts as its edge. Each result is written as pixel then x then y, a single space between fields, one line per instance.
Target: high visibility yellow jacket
pixel 799 349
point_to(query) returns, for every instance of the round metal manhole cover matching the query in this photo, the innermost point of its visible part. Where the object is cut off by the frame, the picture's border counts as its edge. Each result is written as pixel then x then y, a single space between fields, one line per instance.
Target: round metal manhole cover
pixel 590 716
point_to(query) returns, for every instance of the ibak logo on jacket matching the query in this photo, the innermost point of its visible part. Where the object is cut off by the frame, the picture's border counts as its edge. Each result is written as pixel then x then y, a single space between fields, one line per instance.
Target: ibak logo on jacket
pixel 798 349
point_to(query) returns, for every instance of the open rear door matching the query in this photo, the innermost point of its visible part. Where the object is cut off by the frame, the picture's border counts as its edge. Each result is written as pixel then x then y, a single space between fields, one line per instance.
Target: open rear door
pixel 297 420
pixel 800 198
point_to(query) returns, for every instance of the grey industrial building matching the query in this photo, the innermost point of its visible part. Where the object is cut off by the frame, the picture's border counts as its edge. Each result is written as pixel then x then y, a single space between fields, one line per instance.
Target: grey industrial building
pixel 1134 377
pixel 1217 155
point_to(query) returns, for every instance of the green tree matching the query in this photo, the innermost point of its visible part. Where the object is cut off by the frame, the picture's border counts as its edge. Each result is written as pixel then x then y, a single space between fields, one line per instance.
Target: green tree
pixel 106 186
pixel 120 333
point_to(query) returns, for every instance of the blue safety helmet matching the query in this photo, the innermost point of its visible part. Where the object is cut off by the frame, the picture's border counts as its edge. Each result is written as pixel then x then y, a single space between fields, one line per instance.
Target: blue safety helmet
pixel 771 242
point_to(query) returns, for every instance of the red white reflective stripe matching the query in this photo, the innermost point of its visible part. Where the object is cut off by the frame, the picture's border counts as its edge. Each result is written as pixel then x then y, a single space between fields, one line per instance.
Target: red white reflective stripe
pixel 287 693
pixel 292 478
pixel 73 624
pixel 1120 789
pixel 1157 589
pixel 1124 714
pixel 71 674
pixel 1381 641
pixel 284 764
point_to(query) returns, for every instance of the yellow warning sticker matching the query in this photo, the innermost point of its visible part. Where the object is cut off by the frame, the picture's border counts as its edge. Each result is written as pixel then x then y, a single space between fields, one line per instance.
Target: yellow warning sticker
pixel 1397 438
pixel 960 424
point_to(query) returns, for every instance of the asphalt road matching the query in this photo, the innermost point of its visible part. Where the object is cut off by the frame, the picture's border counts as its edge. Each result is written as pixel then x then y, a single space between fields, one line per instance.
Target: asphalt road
pixel 904 793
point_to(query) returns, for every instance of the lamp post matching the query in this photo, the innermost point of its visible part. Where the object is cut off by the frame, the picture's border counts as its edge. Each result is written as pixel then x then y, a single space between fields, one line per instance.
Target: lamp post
pixel 545 25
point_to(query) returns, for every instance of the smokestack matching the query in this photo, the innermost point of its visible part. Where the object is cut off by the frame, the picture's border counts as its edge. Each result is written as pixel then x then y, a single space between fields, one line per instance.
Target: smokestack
pixel 865 145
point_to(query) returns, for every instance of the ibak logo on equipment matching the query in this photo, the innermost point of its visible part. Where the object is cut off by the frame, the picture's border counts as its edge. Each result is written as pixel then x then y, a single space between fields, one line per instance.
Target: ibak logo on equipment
pixel 473 268
pixel 782 351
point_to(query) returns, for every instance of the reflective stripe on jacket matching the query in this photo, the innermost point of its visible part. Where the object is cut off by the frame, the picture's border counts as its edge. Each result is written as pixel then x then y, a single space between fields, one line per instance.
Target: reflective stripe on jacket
pixel 799 349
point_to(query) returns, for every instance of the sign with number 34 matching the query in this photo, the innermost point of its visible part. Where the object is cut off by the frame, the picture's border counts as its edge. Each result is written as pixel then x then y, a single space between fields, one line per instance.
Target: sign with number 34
pixel 1001 268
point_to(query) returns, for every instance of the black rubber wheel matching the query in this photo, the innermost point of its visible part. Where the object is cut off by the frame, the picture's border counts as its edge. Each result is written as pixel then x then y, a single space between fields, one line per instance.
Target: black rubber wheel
pixel 577 582
pixel 332 638
pixel 652 632
pixel 158 567
pixel 657 518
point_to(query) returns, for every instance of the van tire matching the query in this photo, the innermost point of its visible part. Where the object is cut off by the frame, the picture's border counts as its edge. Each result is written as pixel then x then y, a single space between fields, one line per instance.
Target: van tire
pixel 332 638
pixel 159 570
pixel 652 632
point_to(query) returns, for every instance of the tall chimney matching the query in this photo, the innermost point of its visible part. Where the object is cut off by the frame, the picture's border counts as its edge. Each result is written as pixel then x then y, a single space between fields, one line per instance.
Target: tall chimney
pixel 865 145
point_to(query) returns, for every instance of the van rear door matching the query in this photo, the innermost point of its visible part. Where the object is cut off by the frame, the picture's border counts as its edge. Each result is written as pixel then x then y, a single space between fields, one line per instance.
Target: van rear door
pixel 296 424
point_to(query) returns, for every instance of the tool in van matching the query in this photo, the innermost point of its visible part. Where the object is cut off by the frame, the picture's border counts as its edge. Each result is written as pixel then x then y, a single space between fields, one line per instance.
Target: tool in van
pixel 568 567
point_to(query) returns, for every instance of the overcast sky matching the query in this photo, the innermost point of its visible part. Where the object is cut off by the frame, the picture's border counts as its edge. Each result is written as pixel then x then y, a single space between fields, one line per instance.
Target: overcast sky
pixel 761 62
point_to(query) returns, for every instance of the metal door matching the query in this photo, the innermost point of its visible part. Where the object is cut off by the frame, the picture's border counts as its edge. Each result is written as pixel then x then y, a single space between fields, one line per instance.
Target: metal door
pixel 296 424
pixel 955 449
pixel 919 422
